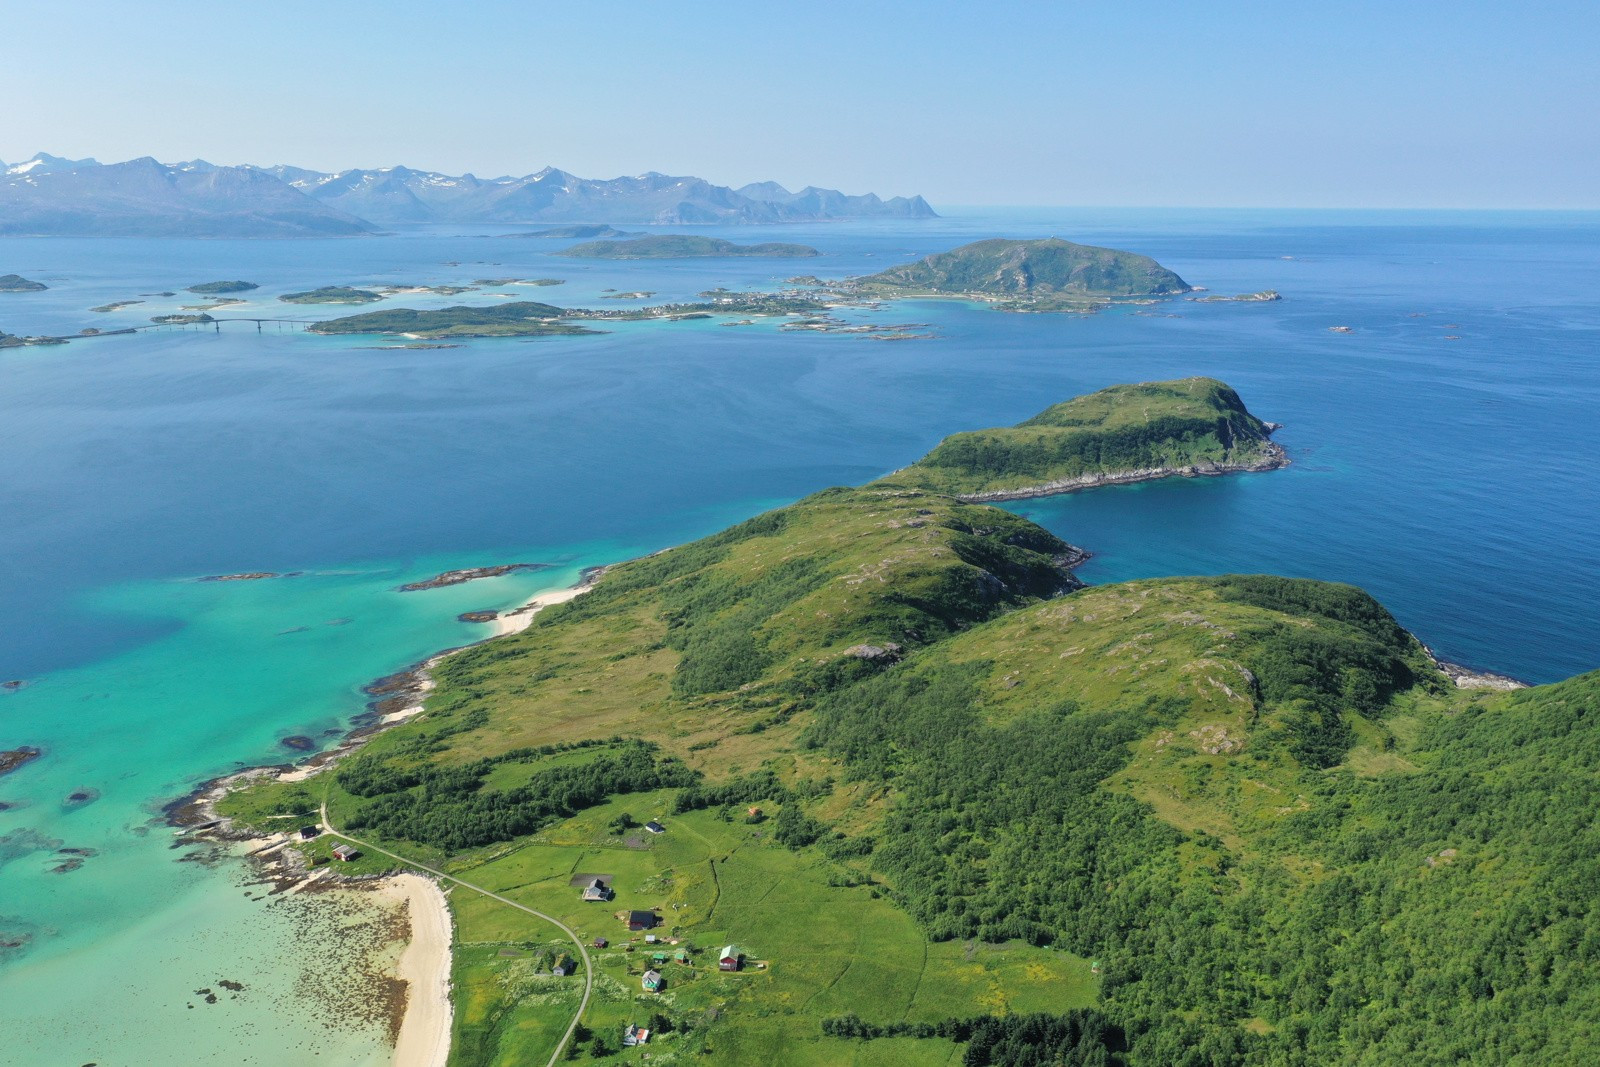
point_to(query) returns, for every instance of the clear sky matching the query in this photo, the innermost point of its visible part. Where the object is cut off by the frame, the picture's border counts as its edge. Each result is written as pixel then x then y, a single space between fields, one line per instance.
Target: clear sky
pixel 1422 103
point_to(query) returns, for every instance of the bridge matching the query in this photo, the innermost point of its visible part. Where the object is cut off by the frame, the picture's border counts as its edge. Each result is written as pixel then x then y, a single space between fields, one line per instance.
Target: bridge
pixel 213 322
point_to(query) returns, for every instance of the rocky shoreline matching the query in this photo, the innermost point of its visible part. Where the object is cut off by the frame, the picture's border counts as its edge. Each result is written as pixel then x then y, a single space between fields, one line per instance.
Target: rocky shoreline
pixel 1275 459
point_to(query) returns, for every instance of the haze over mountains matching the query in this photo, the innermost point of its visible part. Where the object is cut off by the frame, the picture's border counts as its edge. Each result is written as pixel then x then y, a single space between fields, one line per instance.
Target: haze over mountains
pixel 52 196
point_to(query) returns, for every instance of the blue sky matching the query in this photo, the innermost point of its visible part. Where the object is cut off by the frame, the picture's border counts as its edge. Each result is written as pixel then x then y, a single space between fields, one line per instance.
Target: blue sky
pixel 1406 103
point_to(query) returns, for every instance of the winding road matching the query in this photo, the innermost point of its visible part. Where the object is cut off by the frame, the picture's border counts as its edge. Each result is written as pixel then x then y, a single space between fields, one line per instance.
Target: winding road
pixel 588 968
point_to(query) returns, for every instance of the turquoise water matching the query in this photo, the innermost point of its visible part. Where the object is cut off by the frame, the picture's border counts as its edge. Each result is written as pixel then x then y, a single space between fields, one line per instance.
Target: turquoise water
pixel 1450 477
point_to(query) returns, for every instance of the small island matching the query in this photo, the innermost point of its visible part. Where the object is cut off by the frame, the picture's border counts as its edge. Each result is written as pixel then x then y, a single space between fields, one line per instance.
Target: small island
pixel 181 320
pixel 332 294
pixel 1041 275
pixel 685 246
pixel 116 305
pixel 524 318
pixel 1264 296
pixel 578 230
pixel 16 283
pixel 1128 433
pixel 212 288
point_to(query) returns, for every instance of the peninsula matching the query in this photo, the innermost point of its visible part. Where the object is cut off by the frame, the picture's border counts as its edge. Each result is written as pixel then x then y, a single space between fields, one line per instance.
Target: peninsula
pixel 883 734
pixel 1128 433
pixel 682 246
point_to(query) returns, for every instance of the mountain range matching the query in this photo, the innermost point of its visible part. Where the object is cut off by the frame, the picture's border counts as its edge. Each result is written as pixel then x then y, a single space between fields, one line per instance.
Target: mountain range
pixel 53 196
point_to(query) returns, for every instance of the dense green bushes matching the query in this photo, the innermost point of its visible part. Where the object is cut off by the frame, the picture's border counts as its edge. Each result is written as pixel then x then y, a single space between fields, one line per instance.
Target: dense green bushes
pixel 448 808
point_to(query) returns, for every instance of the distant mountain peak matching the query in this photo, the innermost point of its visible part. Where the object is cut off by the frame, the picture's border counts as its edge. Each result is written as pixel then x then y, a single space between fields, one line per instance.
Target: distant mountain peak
pixel 294 199
pixel 44 162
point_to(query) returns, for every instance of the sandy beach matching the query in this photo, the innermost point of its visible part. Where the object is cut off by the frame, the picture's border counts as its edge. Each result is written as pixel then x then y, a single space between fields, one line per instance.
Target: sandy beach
pixel 424 1038
pixel 518 619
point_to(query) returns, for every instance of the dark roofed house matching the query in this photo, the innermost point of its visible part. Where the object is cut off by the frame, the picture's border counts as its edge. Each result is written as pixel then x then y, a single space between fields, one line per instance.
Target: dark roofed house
pixel 345 853
pixel 655 827
pixel 642 920
pixel 309 832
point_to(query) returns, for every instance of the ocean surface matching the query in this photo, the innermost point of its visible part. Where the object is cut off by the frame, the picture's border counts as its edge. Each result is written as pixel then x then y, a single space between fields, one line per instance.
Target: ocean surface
pixel 1441 447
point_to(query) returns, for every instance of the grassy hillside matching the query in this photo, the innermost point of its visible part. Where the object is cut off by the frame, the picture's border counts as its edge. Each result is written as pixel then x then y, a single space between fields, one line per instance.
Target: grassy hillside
pixel 1125 433
pixel 964 810
pixel 1032 269
pixel 683 246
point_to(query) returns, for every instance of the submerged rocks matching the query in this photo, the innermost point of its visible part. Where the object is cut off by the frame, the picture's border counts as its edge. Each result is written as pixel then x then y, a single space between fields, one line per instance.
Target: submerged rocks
pixel 80 797
pixel 298 743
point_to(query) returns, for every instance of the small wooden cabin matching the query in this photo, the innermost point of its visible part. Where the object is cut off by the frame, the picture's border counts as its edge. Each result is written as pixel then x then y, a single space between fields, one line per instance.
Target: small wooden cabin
pixel 730 959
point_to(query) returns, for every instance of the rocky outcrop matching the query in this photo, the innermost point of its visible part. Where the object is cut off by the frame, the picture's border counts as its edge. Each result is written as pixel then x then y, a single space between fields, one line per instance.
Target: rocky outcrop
pixel 470 574
pixel 11 759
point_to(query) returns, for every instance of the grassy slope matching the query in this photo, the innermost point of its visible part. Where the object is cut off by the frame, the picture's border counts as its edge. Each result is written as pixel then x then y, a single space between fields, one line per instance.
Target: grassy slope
pixel 1176 424
pixel 1044 268
pixel 1253 800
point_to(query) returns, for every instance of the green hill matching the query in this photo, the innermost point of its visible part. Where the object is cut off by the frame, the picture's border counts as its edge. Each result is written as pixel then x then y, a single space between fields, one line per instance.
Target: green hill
pixel 1127 433
pixel 522 318
pixel 1043 270
pixel 682 246
pixel 942 793
pixel 209 288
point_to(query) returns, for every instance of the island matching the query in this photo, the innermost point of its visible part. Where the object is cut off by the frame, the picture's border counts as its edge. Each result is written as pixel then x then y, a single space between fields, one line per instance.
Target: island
pixel 518 319
pixel 682 246
pixel 115 305
pixel 1128 433
pixel 1263 297
pixel 211 288
pixel 1034 275
pixel 181 320
pixel 16 283
pixel 579 230
pixel 332 294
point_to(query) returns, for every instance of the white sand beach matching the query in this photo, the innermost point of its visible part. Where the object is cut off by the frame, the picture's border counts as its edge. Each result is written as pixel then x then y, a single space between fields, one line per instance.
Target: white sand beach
pixel 518 619
pixel 424 1038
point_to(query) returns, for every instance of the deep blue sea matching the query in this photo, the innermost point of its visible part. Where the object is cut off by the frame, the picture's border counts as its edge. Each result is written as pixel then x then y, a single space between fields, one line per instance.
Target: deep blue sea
pixel 1441 455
